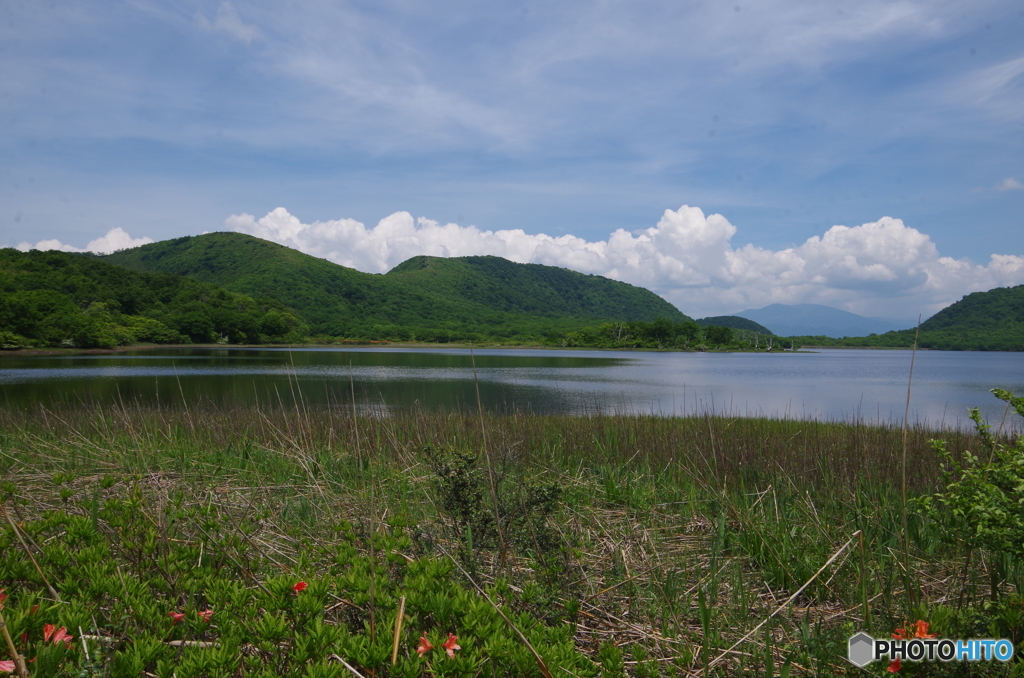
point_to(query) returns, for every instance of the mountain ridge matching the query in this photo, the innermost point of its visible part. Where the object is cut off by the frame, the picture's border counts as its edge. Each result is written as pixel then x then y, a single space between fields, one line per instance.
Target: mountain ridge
pixel 817 320
pixel 447 293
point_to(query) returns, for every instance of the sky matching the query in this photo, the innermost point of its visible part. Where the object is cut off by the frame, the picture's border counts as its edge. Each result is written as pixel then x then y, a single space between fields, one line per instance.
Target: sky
pixel 727 155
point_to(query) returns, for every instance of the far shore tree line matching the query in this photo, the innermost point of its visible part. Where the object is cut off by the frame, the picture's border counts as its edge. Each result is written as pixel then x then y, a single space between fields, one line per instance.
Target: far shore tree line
pixel 53 299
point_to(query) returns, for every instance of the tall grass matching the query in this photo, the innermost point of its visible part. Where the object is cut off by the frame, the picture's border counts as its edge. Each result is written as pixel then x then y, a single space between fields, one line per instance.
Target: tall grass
pixel 674 537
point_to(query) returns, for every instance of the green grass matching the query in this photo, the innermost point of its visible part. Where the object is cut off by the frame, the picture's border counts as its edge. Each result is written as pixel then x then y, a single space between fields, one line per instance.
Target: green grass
pixel 619 545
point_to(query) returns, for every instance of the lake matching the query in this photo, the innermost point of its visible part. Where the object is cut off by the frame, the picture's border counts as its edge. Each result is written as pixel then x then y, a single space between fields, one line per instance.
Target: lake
pixel 844 385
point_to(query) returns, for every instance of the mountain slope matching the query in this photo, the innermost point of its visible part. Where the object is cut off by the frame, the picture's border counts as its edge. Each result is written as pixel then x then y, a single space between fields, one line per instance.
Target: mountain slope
pixel 327 296
pixel 983 321
pixel 482 294
pixel 735 322
pixel 533 289
pixel 998 310
pixel 60 299
pixel 815 319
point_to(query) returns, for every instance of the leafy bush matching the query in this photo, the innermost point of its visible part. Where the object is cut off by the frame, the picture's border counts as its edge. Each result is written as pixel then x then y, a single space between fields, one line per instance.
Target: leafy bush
pixel 983 501
pixel 521 505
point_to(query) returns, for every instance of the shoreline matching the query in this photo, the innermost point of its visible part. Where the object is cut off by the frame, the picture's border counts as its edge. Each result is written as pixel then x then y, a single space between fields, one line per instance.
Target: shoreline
pixel 55 351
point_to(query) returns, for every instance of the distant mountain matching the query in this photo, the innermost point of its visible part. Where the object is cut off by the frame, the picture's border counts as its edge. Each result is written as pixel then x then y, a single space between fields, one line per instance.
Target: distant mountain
pixel 817 320
pixel 477 294
pixel 735 322
pixel 983 321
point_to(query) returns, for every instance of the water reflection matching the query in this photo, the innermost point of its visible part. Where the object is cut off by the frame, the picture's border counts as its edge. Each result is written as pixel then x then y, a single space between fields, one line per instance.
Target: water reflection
pixel 838 385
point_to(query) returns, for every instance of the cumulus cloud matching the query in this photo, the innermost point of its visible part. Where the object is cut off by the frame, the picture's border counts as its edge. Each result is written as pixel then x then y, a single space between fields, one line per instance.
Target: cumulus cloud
pixel 1009 184
pixel 228 21
pixel 115 239
pixel 882 268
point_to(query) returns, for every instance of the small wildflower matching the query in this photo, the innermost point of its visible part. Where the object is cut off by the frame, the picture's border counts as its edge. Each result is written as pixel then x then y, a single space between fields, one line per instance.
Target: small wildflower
pixel 300 586
pixel 922 629
pixel 918 629
pixel 894 666
pixel 424 646
pixel 205 615
pixel 7 666
pixel 450 645
pixel 3 597
pixel 51 632
pixel 176 616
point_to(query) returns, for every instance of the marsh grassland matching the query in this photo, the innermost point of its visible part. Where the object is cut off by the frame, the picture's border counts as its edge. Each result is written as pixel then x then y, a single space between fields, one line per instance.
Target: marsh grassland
pixel 210 541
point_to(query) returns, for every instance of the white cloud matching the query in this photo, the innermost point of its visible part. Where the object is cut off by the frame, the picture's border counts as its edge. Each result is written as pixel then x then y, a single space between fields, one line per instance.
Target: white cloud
pixel 228 21
pixel 1009 184
pixel 115 239
pixel 883 268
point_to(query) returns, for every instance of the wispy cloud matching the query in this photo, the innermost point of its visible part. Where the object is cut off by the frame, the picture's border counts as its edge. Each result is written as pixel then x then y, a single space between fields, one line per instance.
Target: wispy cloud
pixel 228 21
pixel 1009 184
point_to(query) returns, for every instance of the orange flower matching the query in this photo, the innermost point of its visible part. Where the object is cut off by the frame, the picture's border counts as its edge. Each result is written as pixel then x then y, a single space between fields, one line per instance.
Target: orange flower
pixel 894 666
pixel 176 616
pixel 205 615
pixel 922 630
pixel 450 646
pixel 51 632
pixel 424 646
pixel 300 586
pixel 918 629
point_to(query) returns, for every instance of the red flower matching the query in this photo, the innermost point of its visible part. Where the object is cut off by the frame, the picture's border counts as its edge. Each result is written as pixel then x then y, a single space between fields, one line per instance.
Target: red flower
pixel 918 629
pixel 922 630
pixel 424 646
pixel 894 666
pixel 300 586
pixel 450 646
pixel 7 666
pixel 176 616
pixel 51 632
pixel 3 597
pixel 205 615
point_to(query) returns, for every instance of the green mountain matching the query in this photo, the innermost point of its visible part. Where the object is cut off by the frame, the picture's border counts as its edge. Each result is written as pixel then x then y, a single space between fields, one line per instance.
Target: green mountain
pixel 532 289
pixel 735 322
pixel 995 311
pixel 424 298
pixel 75 300
pixel 982 321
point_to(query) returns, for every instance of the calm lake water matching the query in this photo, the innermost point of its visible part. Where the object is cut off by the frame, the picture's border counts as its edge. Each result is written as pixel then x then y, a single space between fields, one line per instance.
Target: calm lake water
pixel 830 384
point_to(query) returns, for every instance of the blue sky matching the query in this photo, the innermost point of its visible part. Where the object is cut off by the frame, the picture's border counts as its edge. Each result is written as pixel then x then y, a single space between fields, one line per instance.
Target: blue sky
pixel 581 134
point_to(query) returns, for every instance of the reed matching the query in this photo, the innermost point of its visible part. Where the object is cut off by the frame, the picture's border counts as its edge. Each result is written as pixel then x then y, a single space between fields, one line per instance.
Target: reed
pixel 675 546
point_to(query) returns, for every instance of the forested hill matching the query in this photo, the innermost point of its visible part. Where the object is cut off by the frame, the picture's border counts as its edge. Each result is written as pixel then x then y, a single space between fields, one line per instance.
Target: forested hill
pixel 532 289
pixel 60 299
pixel 994 312
pixel 735 322
pixel 424 298
pixel 982 321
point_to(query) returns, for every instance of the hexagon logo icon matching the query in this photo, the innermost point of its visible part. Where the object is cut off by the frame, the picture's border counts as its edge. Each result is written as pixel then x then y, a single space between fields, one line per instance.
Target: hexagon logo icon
pixel 860 651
